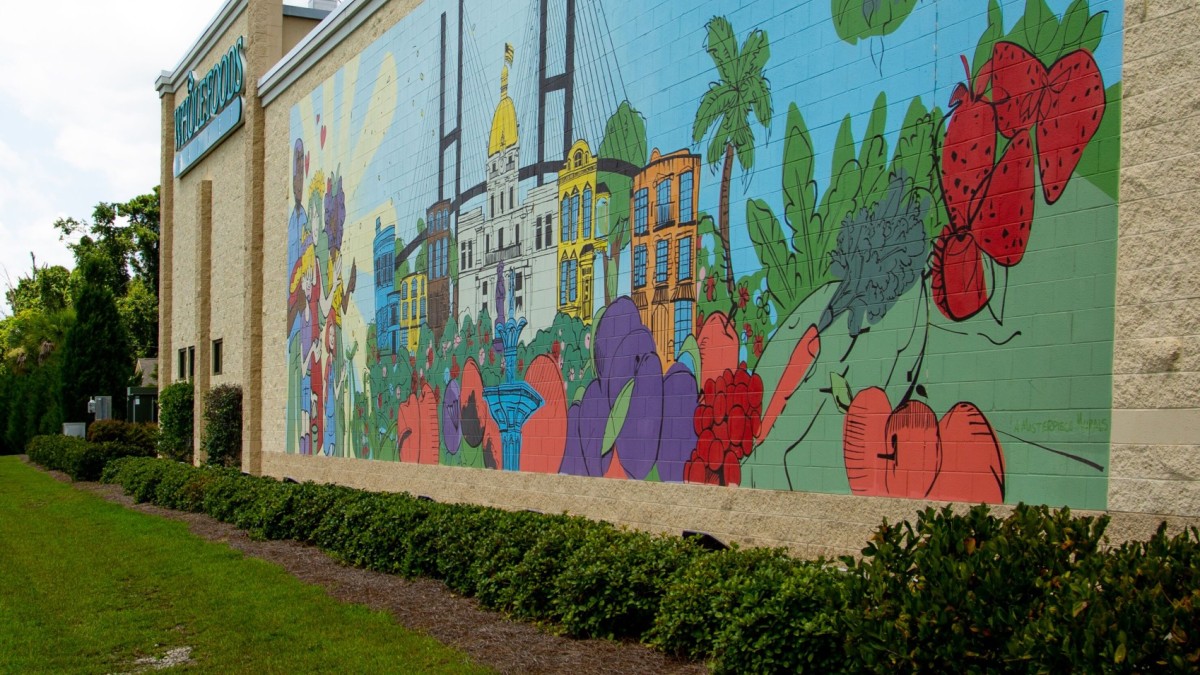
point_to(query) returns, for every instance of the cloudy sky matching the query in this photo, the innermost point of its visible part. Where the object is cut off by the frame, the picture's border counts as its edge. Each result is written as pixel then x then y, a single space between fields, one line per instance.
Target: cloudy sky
pixel 79 117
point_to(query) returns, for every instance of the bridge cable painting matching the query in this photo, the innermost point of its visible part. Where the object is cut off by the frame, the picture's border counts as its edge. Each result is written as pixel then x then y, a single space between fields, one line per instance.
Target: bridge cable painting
pixel 686 245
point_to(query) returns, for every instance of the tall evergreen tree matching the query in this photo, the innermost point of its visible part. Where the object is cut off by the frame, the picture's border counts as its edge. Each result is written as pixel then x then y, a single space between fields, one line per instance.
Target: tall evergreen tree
pixel 97 357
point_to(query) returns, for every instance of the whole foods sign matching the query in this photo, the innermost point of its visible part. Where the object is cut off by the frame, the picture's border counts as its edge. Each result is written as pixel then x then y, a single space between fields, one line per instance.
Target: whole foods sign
pixel 212 109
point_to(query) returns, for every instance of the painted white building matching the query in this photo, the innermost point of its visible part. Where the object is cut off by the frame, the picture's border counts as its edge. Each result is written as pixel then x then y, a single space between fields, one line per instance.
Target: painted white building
pixel 511 228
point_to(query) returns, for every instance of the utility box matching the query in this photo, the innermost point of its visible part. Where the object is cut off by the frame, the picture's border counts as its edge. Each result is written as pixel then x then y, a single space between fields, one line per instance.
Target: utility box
pixel 101 407
pixel 141 404
pixel 76 429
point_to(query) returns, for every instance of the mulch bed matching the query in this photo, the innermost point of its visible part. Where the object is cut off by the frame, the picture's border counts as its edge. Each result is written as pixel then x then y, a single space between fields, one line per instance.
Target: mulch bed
pixel 425 605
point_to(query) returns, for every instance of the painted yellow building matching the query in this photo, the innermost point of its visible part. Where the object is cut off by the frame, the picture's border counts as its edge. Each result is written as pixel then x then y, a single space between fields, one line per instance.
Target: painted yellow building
pixel 583 205
pixel 414 299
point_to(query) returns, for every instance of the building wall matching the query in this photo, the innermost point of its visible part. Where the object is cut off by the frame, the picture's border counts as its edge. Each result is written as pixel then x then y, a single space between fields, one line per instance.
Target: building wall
pixel 977 365
pixel 1156 421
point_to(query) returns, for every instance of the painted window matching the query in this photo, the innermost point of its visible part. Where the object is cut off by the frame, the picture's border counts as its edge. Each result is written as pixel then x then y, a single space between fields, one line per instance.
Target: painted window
pixel 562 282
pixel 566 219
pixel 641 211
pixel 662 252
pixel 683 323
pixel 639 266
pixel 519 290
pixel 587 212
pixel 685 197
pixel 574 216
pixel 500 239
pixel 422 305
pixel 663 198
pixel 573 279
pixel 537 235
pixel 685 258
pixel 549 229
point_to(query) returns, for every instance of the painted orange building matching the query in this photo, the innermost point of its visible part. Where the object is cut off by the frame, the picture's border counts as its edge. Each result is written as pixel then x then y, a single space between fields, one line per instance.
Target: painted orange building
pixel 664 207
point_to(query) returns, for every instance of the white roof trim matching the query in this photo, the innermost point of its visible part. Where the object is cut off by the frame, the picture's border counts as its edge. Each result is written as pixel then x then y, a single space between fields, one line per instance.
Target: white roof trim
pixel 171 81
pixel 339 25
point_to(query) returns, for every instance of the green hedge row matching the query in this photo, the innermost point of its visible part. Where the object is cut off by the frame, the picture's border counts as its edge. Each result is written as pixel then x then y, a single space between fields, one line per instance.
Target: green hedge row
pixel 80 459
pixel 1033 592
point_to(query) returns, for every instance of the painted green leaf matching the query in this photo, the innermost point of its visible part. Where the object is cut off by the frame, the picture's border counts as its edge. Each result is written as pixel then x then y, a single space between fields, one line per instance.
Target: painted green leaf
pixel 841 391
pixel 857 20
pixel 616 418
pixel 778 258
pixel 987 42
pixel 1074 21
pixel 1093 33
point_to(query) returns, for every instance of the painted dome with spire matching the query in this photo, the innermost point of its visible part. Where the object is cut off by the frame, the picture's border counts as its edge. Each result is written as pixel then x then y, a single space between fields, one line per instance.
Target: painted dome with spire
pixel 504 122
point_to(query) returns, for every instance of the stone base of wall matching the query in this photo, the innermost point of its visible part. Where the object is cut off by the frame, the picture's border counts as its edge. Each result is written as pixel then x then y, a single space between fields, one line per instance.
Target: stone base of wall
pixel 809 524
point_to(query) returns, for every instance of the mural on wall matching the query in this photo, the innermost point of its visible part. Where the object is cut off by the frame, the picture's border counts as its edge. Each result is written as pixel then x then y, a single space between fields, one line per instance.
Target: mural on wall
pixel 554 238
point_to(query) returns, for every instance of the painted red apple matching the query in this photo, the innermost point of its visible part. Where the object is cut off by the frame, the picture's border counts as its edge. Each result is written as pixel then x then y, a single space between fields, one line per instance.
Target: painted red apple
pixel 908 452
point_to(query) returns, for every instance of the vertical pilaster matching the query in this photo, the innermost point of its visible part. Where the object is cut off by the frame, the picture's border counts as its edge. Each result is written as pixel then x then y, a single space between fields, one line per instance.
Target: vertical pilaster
pixel 166 242
pixel 203 308
pixel 265 45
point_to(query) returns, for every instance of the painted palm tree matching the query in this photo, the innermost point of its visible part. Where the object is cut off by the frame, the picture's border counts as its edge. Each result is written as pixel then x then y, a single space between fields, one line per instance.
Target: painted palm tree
pixel 724 112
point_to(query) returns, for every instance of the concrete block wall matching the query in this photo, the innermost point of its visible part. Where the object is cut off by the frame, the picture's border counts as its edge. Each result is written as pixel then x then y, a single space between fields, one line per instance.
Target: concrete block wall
pixel 1156 364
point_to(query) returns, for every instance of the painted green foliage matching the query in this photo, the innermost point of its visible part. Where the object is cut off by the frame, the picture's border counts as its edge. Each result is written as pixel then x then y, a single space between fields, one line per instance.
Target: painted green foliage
pixel 861 19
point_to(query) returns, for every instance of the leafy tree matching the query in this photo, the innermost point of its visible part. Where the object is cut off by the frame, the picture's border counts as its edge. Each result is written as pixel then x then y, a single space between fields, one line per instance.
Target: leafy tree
pixel 726 107
pixel 139 313
pixel 143 214
pixel 625 140
pixel 97 356
pixel 120 250
pixel 47 288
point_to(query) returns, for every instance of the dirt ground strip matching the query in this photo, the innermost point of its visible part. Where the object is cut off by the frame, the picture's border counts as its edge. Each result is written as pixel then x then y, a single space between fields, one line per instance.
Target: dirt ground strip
pixel 426 605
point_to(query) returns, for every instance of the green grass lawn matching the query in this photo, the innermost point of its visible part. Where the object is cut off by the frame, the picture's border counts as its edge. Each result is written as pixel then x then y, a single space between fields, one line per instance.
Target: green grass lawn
pixel 88 586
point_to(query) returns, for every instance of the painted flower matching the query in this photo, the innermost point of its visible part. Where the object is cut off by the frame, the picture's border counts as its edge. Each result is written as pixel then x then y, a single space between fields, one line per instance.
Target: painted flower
pixel 743 297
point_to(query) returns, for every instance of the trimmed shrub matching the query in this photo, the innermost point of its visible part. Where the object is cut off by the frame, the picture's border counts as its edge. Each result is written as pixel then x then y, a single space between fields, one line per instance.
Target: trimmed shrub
pixel 611 584
pixel 143 436
pixel 222 439
pixel 78 458
pixel 705 593
pixel 176 418
pixel 791 623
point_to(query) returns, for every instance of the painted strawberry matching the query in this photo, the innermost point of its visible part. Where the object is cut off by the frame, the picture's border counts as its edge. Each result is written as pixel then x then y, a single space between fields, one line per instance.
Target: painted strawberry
pixel 1018 82
pixel 1071 112
pixel 958 283
pixel 1001 228
pixel 969 150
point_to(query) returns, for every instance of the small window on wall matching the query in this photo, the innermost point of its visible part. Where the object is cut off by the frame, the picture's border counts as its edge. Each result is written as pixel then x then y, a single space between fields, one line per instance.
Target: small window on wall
pixel 182 369
pixel 191 363
pixel 217 356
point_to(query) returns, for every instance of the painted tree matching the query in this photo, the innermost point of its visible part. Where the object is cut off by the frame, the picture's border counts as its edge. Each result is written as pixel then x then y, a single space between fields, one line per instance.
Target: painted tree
pixel 724 112
pixel 625 140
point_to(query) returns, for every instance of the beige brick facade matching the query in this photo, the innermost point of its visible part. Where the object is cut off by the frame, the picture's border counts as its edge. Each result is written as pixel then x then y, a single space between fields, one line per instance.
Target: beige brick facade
pixel 1155 430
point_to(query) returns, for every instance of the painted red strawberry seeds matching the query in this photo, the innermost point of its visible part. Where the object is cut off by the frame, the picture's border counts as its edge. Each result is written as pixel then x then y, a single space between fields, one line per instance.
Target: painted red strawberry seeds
pixel 990 203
